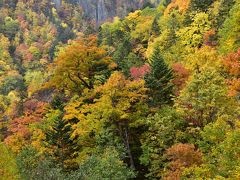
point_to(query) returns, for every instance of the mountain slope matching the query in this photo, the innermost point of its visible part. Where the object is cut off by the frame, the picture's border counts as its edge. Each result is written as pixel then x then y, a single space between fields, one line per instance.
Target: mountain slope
pixel 102 10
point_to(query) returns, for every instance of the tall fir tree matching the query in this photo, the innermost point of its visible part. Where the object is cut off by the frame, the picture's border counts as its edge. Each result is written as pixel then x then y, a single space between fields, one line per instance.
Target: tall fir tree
pixel 200 5
pixel 64 147
pixel 159 80
pixel 224 9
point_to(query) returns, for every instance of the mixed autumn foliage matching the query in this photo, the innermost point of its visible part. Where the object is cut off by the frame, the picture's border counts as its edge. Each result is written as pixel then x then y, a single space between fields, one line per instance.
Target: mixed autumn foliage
pixel 154 95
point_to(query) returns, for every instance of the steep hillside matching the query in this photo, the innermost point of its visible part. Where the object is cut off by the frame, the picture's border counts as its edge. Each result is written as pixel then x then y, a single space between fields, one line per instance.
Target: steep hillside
pixel 102 10
pixel 151 94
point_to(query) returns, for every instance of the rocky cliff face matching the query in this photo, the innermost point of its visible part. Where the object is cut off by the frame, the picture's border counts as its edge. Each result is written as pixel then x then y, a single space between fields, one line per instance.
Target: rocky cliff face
pixel 102 10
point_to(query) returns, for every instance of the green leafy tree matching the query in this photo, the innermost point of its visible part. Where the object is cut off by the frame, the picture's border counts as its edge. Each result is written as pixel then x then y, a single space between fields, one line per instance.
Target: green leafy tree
pixel 191 37
pixel 8 166
pixel 5 58
pixel 122 52
pixel 11 27
pixel 10 83
pixel 112 33
pixel 27 161
pixel 46 170
pixel 204 98
pixel 229 34
pixel 107 165
pixel 33 165
pixel 220 146
pixel 165 128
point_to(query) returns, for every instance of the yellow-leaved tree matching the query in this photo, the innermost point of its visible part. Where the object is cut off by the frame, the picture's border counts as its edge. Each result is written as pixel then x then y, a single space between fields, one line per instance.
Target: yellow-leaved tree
pixel 78 65
pixel 119 106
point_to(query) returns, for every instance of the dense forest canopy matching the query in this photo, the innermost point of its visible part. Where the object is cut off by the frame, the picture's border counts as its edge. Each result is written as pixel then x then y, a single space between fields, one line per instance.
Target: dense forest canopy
pixel 108 89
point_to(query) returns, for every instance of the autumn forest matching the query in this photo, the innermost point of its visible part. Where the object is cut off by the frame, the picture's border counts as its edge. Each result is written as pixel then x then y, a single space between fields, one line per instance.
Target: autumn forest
pixel 119 89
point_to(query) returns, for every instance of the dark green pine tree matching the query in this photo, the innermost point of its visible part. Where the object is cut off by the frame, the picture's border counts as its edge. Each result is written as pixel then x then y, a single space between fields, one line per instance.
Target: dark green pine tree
pixel 200 5
pixel 159 81
pixel 64 147
pixel 155 26
pixel 224 9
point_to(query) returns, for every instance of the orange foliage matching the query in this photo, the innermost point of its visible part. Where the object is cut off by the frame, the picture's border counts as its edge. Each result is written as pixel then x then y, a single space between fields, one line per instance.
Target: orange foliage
pixel 209 38
pixel 181 5
pixel 23 53
pixel 234 86
pixel 19 128
pixel 182 156
pixel 181 75
pixel 232 64
pixel 78 64
pixel 22 22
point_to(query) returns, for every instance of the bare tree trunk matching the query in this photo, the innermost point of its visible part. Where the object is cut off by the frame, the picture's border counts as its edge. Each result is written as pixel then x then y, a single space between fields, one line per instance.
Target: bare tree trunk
pixel 132 165
pixel 123 131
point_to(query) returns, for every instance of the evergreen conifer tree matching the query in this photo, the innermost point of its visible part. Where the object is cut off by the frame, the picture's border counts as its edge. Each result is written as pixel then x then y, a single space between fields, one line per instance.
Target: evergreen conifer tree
pixel 159 80
pixel 64 147
pixel 200 5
